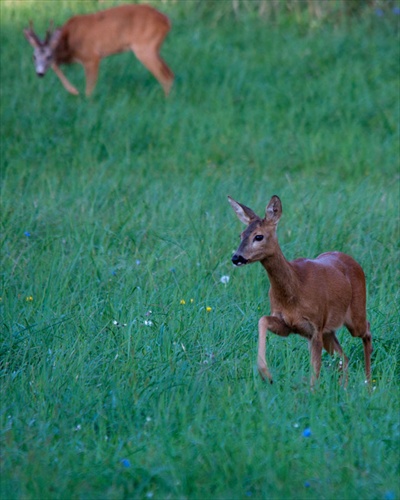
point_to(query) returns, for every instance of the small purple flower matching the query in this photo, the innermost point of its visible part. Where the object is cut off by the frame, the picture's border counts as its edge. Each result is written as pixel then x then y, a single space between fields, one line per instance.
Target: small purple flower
pixel 27 234
pixel 307 484
pixel 307 432
pixel 114 272
pixel 396 11
pixel 379 12
pixel 125 462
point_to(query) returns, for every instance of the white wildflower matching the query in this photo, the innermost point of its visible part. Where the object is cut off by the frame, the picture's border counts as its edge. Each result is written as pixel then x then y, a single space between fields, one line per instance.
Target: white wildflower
pixel 119 325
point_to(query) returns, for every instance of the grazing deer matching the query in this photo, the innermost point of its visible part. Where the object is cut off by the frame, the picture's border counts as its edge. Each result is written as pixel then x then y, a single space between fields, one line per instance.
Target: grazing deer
pixel 89 38
pixel 310 297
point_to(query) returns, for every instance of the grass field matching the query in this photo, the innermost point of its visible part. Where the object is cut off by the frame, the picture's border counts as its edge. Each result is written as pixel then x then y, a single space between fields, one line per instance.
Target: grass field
pixel 114 209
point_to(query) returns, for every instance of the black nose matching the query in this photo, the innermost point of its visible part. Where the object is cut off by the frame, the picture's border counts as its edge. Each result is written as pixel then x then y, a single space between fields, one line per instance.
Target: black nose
pixel 238 260
pixel 40 74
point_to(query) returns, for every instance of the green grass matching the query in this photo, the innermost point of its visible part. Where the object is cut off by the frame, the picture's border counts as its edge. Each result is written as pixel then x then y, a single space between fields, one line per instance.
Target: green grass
pixel 124 200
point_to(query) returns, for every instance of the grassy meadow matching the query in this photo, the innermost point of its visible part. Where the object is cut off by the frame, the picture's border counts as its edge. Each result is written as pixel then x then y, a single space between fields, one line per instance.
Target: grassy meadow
pixel 127 358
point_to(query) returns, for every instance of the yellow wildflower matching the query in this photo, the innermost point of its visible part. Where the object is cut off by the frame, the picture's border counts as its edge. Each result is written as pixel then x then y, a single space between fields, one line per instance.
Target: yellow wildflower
pixel 208 309
pixel 182 302
pixel 29 298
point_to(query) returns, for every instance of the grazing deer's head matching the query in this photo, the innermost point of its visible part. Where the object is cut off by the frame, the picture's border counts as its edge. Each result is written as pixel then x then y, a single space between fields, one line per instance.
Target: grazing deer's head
pixel 43 53
pixel 258 240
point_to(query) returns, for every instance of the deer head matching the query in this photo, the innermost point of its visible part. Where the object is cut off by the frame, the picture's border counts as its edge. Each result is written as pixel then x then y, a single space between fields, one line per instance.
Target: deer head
pixel 258 240
pixel 43 51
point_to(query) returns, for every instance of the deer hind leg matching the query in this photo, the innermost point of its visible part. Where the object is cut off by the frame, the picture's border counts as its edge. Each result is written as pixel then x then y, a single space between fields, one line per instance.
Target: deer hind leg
pixel 362 330
pixel 367 343
pixel 356 320
pixel 150 58
pixel 357 324
pixel 332 345
pixel 275 325
pixel 364 333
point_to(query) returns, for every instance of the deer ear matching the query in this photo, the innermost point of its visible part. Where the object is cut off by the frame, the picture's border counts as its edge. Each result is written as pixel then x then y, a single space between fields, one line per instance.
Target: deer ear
pixel 245 214
pixel 273 211
pixel 31 37
pixel 55 38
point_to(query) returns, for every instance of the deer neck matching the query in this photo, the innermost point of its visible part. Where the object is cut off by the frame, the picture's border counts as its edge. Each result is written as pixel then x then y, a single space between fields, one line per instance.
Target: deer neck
pixel 283 279
pixel 63 53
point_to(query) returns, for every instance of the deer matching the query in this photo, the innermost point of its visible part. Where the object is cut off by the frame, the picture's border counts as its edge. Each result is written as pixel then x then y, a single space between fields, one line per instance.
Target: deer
pixel 309 297
pixel 86 39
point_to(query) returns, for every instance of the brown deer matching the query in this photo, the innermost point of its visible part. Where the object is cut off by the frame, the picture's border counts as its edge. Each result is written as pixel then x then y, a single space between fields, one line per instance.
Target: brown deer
pixel 310 297
pixel 87 39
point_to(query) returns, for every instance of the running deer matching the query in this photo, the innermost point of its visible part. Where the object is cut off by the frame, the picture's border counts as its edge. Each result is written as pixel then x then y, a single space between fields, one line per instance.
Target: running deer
pixel 87 39
pixel 310 297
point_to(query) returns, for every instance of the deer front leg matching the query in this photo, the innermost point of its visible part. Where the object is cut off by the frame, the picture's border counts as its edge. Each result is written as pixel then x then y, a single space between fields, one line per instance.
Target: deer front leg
pixel 91 71
pixel 67 85
pixel 275 325
pixel 316 344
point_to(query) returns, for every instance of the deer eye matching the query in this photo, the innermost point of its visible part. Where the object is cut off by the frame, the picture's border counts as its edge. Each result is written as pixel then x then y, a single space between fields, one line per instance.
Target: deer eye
pixel 258 237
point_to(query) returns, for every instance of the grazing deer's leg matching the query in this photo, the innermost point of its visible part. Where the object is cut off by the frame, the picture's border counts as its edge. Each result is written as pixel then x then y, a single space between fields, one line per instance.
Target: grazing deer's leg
pixel 91 71
pixel 152 60
pixel 275 325
pixel 67 85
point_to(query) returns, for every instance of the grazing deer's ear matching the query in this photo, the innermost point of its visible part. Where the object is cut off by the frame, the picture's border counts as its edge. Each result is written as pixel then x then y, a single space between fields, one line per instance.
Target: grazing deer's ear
pixel 31 37
pixel 245 214
pixel 273 211
pixel 55 38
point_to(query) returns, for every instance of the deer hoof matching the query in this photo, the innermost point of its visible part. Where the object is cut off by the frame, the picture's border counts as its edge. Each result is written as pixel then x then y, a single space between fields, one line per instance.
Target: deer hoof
pixel 264 374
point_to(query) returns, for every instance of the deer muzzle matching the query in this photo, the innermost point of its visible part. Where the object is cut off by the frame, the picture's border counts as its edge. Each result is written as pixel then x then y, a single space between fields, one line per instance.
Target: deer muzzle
pixel 238 260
